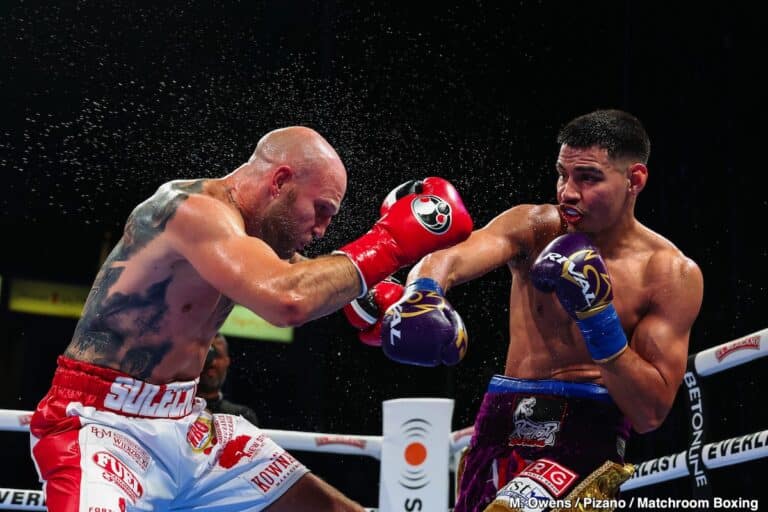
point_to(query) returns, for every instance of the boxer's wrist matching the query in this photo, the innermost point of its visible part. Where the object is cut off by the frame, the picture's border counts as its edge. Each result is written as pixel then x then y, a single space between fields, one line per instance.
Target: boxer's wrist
pixel 425 284
pixel 603 335
pixel 360 276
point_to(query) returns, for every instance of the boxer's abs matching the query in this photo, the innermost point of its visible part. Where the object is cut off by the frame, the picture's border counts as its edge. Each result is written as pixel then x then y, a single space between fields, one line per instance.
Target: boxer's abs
pixel 553 352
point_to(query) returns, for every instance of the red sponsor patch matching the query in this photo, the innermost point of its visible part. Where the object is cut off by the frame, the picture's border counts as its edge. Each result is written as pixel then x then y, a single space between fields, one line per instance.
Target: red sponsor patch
pixel 550 474
pixel 753 343
pixel 238 448
pixel 119 474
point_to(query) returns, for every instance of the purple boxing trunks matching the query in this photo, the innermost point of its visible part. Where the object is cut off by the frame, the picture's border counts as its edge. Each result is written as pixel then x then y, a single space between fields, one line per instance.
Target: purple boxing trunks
pixel 547 435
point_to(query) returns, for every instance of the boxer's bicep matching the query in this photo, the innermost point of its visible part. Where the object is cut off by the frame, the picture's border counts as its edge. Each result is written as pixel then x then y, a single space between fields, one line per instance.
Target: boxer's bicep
pixel 241 267
pixel 485 250
pixel 502 241
pixel 661 337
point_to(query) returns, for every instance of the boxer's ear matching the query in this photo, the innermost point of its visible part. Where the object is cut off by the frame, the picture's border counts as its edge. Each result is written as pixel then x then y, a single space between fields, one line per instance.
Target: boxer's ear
pixel 637 176
pixel 280 177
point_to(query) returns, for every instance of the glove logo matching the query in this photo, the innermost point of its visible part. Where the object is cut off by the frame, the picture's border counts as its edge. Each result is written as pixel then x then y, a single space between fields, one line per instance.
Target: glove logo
pixel 595 286
pixel 433 213
pixel 414 476
pixel 394 331
pixel 416 304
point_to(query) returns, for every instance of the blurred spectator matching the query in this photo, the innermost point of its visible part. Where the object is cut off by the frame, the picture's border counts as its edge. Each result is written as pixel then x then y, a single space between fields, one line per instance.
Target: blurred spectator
pixel 212 379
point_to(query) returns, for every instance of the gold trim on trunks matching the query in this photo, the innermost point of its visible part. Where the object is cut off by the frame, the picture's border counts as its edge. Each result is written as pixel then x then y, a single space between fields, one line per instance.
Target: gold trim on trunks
pixel 599 486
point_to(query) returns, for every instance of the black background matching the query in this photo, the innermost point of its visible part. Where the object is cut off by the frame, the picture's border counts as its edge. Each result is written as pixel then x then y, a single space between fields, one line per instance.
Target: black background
pixel 104 101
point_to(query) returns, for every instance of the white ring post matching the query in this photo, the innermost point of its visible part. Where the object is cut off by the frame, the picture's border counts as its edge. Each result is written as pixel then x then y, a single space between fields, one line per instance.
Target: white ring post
pixel 414 455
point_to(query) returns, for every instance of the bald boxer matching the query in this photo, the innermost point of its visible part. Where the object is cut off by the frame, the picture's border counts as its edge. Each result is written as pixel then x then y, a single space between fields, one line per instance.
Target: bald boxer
pixel 600 312
pixel 120 428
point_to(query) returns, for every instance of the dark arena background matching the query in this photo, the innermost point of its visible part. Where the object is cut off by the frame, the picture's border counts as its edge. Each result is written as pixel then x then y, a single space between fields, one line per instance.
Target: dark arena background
pixel 104 101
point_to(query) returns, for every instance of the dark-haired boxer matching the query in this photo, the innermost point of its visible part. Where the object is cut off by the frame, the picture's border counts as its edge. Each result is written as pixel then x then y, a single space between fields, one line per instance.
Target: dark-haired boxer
pixel 120 428
pixel 600 313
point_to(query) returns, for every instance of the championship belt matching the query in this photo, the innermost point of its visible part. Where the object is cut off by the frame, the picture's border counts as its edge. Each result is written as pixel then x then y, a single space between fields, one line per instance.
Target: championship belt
pixel 595 493
pixel 598 488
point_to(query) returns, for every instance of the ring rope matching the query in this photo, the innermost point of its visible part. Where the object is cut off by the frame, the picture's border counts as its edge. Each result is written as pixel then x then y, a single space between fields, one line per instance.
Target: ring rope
pixel 714 455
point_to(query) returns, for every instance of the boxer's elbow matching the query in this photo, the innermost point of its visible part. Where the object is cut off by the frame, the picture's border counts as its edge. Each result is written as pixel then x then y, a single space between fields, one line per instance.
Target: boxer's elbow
pixel 649 419
pixel 290 310
pixel 644 426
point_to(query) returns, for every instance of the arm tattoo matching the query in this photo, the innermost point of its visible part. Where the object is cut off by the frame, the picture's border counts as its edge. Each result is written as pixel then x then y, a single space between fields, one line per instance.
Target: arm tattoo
pixel 112 319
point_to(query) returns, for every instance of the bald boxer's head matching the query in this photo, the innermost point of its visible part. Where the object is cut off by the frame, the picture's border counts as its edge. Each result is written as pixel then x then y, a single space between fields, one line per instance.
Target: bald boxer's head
pixel 290 188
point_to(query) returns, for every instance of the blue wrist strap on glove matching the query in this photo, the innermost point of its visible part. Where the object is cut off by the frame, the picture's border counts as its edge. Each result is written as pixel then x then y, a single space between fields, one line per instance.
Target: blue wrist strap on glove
pixel 425 284
pixel 603 334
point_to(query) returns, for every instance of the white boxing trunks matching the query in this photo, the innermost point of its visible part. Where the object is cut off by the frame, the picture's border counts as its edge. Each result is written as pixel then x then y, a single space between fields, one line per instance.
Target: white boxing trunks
pixel 104 441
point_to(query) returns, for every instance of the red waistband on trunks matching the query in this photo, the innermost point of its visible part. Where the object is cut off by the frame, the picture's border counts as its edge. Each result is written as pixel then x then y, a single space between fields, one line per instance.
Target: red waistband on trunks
pixel 111 390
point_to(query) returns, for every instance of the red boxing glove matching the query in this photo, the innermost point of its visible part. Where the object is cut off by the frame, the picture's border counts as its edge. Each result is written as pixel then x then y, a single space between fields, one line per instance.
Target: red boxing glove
pixel 365 313
pixel 429 216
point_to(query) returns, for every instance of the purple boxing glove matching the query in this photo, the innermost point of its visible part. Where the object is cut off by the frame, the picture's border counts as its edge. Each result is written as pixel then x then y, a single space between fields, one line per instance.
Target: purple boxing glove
pixel 573 268
pixel 422 328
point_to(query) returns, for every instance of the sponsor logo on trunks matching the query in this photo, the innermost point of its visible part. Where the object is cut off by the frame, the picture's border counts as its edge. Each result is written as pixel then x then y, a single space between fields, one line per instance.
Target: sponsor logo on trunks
pixel 433 213
pixel 241 447
pixel 120 504
pixel 551 475
pixel 530 430
pixel 200 435
pixel 119 474
pixel 345 440
pixel 277 472
pixel 133 450
pixel 121 442
pixel 752 343
pixel 224 424
pixel 100 432
pixel 137 398
pixel 523 493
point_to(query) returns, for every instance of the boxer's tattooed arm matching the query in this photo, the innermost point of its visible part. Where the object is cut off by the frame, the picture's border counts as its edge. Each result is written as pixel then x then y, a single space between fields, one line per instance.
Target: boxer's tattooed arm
pixel 150 218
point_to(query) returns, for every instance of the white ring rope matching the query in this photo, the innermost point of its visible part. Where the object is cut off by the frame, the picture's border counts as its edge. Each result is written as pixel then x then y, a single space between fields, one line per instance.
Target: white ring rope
pixel 19 499
pixel 715 455
pixel 707 362
pixel 733 353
